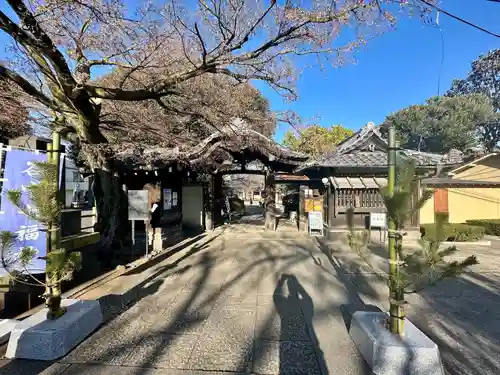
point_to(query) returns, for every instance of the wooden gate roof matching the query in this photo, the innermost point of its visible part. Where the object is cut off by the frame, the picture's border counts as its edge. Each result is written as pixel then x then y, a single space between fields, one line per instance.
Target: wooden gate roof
pixel 235 144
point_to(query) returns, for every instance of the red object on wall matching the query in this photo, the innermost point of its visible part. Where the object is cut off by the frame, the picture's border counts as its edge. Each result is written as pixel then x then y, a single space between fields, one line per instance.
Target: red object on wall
pixel 441 200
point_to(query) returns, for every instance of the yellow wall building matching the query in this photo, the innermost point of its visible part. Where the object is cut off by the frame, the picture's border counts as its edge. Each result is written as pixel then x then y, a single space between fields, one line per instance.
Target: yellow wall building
pixel 471 191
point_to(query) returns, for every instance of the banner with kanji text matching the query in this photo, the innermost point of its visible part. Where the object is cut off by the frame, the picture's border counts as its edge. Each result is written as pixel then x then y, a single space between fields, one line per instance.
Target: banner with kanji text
pixel 19 173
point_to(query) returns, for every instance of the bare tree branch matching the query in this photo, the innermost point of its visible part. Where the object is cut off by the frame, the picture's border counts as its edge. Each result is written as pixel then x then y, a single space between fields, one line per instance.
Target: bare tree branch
pixel 27 87
pixel 40 40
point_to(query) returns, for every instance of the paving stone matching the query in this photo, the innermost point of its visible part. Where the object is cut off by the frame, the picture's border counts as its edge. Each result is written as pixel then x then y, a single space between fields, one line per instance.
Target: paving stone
pixel 239 292
pixel 227 342
pixel 186 315
pixel 96 369
pixel 162 350
pixel 281 324
pixel 268 285
pixel 285 357
pixel 112 343
pixel 179 281
pixel 237 301
pixel 83 369
pixel 165 296
pixel 54 369
pixel 222 353
pixel 25 367
pixel 146 314
pixel 201 301
pixel 188 323
pixel 210 285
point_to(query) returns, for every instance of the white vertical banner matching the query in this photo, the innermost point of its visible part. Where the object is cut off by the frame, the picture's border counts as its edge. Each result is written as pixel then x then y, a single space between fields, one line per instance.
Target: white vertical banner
pixel 62 168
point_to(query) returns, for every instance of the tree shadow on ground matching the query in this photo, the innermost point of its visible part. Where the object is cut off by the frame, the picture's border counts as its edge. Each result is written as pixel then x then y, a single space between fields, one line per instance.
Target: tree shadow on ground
pixel 171 251
pixel 352 282
pixel 148 334
pixel 460 315
pixel 30 367
pixel 350 278
pixel 114 304
pixel 160 338
pixel 332 271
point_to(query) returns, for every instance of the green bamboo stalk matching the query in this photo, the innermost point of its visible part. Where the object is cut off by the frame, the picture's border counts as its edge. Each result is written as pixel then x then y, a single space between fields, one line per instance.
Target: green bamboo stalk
pixel 394 310
pixel 56 160
pixel 49 239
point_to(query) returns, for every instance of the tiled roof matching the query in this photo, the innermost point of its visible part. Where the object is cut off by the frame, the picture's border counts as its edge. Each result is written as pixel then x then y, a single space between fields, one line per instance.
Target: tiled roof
pixel 447 181
pixel 358 159
pixel 354 152
pixel 374 159
pixel 357 139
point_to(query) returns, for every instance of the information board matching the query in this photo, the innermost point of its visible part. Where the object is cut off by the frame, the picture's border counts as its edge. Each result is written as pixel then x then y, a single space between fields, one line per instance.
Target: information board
pixel 378 220
pixel 138 205
pixel 315 220
pixel 167 199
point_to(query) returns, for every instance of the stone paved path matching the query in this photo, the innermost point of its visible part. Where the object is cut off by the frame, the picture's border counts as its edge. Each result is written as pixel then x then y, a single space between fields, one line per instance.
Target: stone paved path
pixel 249 302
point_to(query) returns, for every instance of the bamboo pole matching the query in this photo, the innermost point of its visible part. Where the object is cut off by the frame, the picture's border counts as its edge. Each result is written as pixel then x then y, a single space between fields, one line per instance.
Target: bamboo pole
pixel 56 160
pixel 49 242
pixel 393 257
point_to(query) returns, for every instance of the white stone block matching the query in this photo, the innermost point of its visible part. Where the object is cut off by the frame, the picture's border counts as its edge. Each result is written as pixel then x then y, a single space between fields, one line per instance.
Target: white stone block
pixel 37 337
pixel 389 354
pixel 6 327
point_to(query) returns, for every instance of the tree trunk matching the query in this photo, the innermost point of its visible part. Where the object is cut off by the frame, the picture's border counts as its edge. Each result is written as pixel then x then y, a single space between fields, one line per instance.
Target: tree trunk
pixel 110 201
pixel 53 303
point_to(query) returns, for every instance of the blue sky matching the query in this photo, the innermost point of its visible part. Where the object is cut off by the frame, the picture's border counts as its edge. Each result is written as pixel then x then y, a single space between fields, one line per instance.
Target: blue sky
pixel 398 69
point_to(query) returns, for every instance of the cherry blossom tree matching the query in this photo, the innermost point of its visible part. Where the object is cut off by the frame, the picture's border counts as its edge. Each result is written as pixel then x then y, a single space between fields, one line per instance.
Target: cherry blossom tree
pixel 60 48
pixel 13 114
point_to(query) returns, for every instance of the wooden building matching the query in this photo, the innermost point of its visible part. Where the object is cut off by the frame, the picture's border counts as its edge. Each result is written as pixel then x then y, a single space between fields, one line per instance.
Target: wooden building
pixel 195 176
pixel 356 170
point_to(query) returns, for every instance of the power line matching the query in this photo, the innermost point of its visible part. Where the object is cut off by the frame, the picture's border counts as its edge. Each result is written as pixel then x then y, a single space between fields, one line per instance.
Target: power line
pixel 461 19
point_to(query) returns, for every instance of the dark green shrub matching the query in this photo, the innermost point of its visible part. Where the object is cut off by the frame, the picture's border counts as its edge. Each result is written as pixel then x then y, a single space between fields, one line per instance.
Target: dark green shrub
pixel 491 226
pixel 453 232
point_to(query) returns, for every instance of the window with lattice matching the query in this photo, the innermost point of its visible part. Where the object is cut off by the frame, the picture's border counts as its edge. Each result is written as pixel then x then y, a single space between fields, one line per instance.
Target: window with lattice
pixel 358 198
